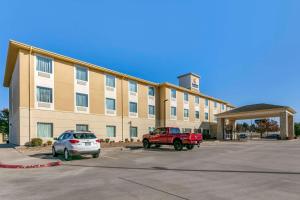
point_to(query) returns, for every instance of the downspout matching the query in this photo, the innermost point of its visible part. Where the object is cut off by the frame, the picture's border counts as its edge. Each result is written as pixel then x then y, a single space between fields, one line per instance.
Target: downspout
pixel 29 89
pixel 122 109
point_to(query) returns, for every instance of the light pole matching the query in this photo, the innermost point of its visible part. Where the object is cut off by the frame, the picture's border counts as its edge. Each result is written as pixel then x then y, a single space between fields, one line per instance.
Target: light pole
pixel 165 112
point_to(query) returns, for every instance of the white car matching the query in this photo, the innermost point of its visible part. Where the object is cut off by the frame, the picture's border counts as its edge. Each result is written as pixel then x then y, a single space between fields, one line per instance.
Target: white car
pixel 76 143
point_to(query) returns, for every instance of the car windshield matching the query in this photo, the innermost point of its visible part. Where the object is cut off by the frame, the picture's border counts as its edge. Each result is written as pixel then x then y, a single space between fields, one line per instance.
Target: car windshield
pixel 84 136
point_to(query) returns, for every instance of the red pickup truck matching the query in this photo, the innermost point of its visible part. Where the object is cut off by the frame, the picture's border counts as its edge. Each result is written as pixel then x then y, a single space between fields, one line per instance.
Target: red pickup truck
pixel 171 136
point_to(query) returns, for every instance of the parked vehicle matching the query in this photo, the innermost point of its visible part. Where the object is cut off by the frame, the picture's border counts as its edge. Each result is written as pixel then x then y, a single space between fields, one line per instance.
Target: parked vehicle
pixel 76 143
pixel 243 136
pixel 171 136
pixel 273 136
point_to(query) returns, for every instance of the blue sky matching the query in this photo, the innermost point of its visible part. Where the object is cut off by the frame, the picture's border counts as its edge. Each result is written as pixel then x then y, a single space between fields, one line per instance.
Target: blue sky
pixel 245 51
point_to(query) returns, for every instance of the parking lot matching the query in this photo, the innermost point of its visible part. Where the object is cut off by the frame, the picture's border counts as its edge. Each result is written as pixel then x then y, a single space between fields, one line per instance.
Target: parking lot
pixel 217 170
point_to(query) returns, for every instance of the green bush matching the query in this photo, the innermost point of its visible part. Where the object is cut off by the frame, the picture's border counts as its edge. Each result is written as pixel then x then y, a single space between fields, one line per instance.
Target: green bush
pixel 36 142
pixel 49 142
pixel 126 140
pixel 107 140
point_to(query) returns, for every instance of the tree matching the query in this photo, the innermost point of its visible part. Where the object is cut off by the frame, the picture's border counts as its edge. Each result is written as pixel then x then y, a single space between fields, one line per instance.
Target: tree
pixel 261 126
pixel 266 125
pixel 297 129
pixel 4 121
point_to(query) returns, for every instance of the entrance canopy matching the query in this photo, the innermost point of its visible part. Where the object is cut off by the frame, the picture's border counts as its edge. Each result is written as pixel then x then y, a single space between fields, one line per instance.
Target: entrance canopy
pixel 259 111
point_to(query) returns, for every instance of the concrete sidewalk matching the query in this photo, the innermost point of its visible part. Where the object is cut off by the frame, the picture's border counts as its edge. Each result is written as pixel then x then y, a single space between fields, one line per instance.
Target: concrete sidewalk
pixel 9 155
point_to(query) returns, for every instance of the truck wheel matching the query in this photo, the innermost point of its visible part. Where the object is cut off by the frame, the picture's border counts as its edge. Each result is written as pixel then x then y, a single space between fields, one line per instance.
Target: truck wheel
pixel 190 146
pixel 146 144
pixel 178 145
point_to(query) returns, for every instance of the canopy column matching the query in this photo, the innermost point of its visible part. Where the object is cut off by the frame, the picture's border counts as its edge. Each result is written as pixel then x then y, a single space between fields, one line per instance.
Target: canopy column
pixel 220 128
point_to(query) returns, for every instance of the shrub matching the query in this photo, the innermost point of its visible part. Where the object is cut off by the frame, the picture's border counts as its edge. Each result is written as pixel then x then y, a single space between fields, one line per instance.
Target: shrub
pixel 36 142
pixel 126 140
pixel 112 142
pixel 49 142
pixel 138 140
pixel 101 140
pixel 107 140
pixel 131 140
pixel 28 144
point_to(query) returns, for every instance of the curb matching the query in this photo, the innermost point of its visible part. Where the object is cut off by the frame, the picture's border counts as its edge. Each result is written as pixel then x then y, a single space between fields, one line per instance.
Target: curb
pixel 50 164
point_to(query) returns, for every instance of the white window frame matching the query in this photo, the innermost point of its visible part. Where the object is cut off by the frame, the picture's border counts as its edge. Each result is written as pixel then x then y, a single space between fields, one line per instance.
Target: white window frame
pixel 115 131
pixel 133 114
pixel 173 117
pixel 184 117
pixel 79 81
pixel 151 116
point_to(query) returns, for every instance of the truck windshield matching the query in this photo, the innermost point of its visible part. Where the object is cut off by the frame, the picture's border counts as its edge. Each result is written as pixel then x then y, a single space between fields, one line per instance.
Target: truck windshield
pixel 175 130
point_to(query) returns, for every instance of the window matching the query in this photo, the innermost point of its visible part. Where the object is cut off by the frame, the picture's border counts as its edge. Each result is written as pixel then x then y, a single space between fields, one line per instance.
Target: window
pixel 173 93
pixel 197 100
pixel 133 107
pixel 44 94
pixel 151 129
pixel 175 130
pixel 151 110
pixel 82 100
pixel 133 131
pixel 82 127
pixel 186 112
pixel 84 136
pixel 223 107
pixel 132 86
pixel 186 97
pixel 81 74
pixel 215 104
pixel 110 81
pixel 173 111
pixel 197 114
pixel 206 116
pixel 44 64
pixel 151 91
pixel 110 104
pixel 111 131
pixel 186 130
pixel 44 130
pixel 206 102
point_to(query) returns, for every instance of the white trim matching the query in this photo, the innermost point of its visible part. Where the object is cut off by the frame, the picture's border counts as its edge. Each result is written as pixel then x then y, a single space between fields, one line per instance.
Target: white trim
pixel 43 81
pixel 81 88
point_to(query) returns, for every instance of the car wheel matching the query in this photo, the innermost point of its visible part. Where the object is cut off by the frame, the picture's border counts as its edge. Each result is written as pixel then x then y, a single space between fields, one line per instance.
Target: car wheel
pixel 54 154
pixel 190 146
pixel 67 155
pixel 146 144
pixel 96 155
pixel 178 145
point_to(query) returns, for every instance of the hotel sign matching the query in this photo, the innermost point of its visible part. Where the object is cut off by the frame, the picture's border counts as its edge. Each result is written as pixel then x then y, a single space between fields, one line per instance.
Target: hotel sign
pixel 195 82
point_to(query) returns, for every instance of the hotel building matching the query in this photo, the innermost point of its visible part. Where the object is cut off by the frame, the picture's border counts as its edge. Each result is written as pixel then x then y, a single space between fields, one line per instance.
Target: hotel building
pixel 50 93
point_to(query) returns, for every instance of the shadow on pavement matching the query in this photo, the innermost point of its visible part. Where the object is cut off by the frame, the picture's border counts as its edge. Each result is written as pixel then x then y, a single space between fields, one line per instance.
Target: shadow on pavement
pixel 156 168
pixel 5 146
pixel 49 156
pixel 162 149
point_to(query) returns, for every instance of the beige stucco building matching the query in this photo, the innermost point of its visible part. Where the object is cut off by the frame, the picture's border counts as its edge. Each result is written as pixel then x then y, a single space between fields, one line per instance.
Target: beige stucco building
pixel 50 93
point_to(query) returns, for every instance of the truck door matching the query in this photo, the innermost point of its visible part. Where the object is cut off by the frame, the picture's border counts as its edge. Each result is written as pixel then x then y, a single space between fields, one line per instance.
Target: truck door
pixel 164 134
pixel 172 134
pixel 155 136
